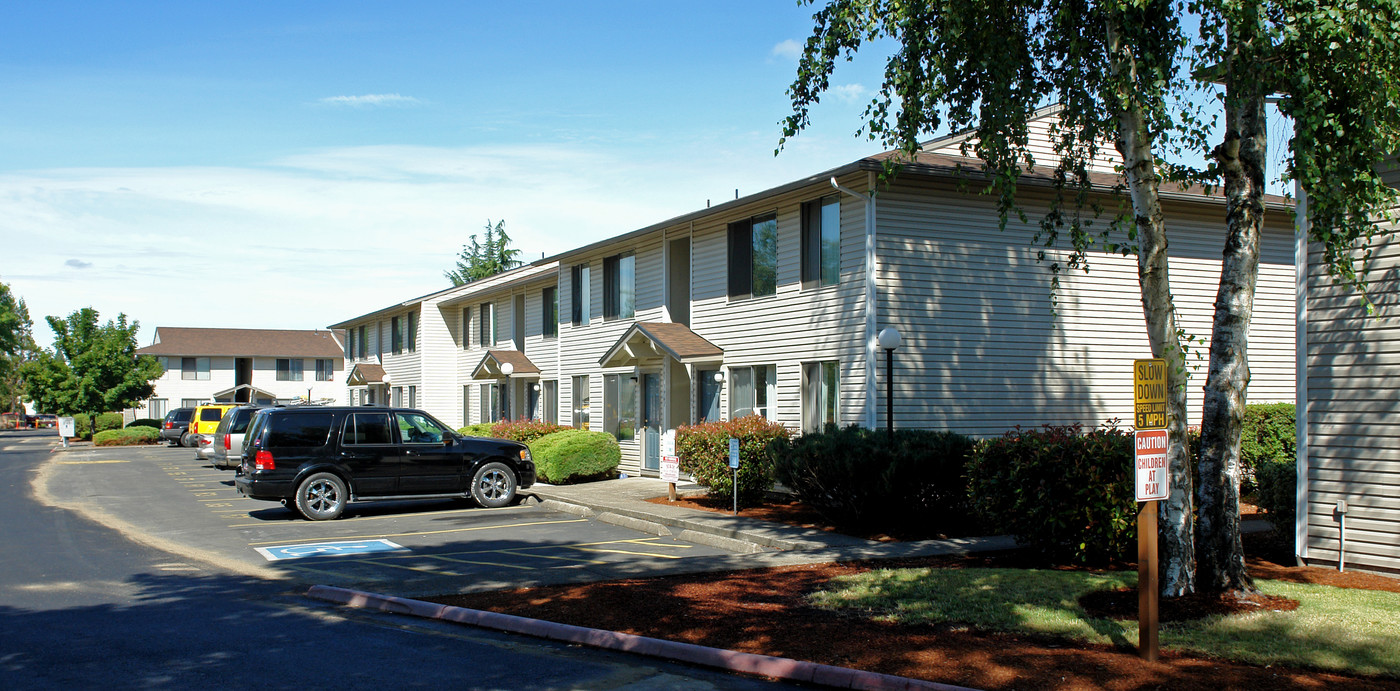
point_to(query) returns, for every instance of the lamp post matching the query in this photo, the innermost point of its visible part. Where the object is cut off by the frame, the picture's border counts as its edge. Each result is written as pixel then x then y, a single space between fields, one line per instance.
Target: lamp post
pixel 388 398
pixel 889 339
pixel 507 369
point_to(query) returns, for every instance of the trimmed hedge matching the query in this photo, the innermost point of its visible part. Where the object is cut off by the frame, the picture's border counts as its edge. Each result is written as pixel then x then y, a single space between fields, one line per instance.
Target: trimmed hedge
pixel 571 456
pixel 704 453
pixel 1065 493
pixel 1269 435
pixel 524 431
pixel 145 422
pixel 82 426
pixel 867 480
pixel 1278 491
pixel 107 421
pixel 478 430
pixel 126 436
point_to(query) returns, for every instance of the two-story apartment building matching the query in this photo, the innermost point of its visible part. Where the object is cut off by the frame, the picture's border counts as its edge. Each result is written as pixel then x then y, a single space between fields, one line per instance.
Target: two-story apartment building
pixel 243 365
pixel 771 303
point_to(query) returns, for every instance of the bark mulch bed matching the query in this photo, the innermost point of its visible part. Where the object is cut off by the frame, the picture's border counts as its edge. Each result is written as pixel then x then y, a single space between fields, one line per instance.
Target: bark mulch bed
pixel 764 611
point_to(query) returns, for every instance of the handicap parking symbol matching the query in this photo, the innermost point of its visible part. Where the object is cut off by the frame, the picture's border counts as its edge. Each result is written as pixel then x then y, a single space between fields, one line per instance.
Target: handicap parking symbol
pixel 327 549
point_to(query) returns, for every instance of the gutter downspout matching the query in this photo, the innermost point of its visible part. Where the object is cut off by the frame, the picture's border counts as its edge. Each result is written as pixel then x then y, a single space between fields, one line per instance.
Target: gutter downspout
pixel 871 392
pixel 1300 386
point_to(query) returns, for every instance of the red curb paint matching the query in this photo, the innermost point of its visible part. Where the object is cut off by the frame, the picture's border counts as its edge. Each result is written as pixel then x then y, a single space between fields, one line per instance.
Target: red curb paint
pixel 730 660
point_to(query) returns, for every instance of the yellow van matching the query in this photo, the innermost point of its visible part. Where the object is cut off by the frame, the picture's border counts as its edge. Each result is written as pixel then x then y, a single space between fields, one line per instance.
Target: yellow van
pixel 207 416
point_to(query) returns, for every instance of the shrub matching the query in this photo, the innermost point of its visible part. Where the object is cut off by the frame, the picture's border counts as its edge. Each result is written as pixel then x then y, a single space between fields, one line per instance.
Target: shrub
pixel 82 426
pixel 1278 489
pixel 1269 434
pixel 126 436
pixel 106 421
pixel 704 453
pixel 575 455
pixel 479 430
pixel 524 431
pixel 145 422
pixel 1066 494
pixel 867 480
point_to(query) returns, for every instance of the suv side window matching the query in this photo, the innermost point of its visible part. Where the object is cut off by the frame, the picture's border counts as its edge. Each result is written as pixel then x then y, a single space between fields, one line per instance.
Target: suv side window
pixel 368 428
pixel 241 419
pixel 311 430
pixel 417 428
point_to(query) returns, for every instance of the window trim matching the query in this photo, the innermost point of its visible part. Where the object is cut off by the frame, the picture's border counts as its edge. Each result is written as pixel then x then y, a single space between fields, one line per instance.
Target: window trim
pixel 487 327
pixel 814 246
pixel 549 299
pixel 396 335
pixel 613 293
pixel 740 263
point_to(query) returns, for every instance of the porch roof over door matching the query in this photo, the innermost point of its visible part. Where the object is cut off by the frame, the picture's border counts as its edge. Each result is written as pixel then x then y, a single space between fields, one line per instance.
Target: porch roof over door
pixel 647 342
pixel 492 366
pixel 365 373
pixel 255 392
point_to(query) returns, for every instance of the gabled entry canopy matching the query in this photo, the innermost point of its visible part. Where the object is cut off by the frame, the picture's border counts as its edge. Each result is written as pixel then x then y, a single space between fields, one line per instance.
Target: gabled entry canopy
pixel 648 342
pixel 364 374
pixel 492 366
pixel 254 394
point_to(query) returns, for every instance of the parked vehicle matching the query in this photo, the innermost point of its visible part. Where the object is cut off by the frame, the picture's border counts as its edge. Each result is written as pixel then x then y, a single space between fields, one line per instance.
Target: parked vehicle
pixel 175 427
pixel 227 442
pixel 204 422
pixel 45 421
pixel 316 460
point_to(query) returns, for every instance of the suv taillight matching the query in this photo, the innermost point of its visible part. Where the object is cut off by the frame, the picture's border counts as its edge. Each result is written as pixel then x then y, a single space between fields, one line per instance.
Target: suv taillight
pixel 228 444
pixel 263 461
pixel 170 425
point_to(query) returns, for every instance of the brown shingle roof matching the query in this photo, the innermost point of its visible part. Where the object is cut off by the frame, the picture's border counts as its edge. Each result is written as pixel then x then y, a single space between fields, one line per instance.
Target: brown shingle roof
pixel 490 366
pixel 174 340
pixel 675 340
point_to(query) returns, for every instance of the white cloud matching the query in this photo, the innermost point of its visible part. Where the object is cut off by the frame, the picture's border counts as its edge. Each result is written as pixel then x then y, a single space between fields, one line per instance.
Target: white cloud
pixel 789 49
pixel 371 100
pixel 849 93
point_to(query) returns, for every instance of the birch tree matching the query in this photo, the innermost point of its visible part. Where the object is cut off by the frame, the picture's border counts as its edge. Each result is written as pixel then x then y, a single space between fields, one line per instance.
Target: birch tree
pixel 1123 71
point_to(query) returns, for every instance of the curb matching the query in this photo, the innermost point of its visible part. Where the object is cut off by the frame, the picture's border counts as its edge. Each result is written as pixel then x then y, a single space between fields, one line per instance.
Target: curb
pixel 729 660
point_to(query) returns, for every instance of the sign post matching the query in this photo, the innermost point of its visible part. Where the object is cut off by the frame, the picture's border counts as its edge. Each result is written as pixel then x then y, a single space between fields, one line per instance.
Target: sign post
pixel 67 427
pixel 670 463
pixel 734 463
pixel 1151 482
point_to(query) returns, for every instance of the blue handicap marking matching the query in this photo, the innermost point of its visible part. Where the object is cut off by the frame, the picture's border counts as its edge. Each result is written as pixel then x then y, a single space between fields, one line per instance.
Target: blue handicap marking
pixel 327 549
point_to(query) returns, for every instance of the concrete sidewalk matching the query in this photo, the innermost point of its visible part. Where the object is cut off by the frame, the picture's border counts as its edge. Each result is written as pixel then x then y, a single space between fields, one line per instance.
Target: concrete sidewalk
pixel 623 502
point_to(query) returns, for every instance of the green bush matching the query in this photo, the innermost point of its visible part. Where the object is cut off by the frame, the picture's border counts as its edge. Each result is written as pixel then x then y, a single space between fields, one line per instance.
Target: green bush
pixel 145 422
pixel 82 426
pixel 1277 492
pixel 704 453
pixel 126 436
pixel 524 431
pixel 574 455
pixel 106 421
pixel 1269 434
pixel 478 430
pixel 867 480
pixel 1064 493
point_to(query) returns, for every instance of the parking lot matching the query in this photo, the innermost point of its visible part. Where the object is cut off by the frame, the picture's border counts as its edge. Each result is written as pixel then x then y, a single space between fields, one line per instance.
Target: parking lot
pixel 163 496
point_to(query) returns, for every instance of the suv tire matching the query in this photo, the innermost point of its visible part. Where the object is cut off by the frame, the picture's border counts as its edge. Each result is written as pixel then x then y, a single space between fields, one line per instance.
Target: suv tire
pixel 322 497
pixel 186 441
pixel 493 485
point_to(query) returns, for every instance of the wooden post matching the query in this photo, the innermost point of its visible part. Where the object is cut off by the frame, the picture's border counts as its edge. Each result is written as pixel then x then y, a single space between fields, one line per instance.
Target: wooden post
pixel 1149 587
pixel 671 491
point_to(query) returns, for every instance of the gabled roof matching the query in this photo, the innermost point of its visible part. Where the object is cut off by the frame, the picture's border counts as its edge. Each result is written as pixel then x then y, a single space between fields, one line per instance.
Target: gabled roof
pixel 255 391
pixel 458 294
pixel 196 342
pixel 650 340
pixel 365 373
pixel 493 365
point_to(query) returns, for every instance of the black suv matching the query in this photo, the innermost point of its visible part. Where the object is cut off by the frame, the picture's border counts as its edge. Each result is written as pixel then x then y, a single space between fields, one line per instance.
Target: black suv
pixel 175 427
pixel 317 459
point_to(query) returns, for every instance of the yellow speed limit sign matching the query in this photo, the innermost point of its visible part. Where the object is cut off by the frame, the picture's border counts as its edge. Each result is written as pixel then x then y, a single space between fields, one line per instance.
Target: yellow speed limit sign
pixel 1150 394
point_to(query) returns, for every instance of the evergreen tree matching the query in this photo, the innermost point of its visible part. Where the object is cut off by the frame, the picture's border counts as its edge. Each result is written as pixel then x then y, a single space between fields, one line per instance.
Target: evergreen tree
pixel 478 260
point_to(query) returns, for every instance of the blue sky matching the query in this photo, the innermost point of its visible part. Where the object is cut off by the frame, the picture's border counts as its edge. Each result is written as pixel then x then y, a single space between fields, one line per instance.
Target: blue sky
pixel 314 161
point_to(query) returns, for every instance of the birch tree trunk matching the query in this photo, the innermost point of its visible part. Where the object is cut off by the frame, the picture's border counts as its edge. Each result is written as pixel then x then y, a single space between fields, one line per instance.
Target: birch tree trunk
pixel 1241 157
pixel 1134 143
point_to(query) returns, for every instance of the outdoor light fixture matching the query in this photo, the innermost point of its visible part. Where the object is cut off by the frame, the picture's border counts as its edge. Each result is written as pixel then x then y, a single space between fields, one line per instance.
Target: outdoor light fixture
pixel 388 399
pixel 889 339
pixel 508 369
pixel 719 376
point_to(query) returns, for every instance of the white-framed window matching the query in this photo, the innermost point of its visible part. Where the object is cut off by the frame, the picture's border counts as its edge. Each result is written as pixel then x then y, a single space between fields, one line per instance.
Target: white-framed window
pixel 821 242
pixel 412 329
pixel 325 369
pixel 157 408
pixel 413 396
pixel 620 286
pixel 396 331
pixel 581 402
pixel 488 325
pixel 490 404
pixel 551 401
pixel 620 406
pixel 752 391
pixel 581 295
pixel 191 402
pixel 194 368
pixel 290 369
pixel 821 395
pixel 753 257
pixel 466 328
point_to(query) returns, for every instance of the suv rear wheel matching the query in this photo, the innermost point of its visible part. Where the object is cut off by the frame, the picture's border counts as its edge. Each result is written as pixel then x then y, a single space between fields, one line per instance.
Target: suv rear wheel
pixel 322 497
pixel 493 486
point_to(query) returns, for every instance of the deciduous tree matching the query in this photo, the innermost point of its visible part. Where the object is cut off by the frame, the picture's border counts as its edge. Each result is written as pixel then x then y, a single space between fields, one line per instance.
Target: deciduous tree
pixel 92 368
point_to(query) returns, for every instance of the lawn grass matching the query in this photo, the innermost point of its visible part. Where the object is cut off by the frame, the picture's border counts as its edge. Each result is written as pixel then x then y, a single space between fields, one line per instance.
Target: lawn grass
pixel 1335 629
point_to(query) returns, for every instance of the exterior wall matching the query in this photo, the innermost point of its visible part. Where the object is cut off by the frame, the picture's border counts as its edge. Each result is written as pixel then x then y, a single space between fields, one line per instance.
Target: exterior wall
pixel 1353 416
pixel 172 387
pixel 984 349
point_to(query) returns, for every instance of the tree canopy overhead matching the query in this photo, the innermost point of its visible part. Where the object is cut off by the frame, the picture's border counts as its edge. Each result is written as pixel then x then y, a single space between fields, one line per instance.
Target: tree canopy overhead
pixel 479 260
pixel 1140 74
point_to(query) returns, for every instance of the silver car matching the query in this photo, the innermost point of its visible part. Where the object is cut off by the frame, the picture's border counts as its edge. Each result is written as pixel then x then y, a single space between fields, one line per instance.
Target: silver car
pixel 226 446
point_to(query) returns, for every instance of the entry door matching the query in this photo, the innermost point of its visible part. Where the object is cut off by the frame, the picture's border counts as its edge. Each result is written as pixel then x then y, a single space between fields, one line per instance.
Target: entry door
pixel 651 422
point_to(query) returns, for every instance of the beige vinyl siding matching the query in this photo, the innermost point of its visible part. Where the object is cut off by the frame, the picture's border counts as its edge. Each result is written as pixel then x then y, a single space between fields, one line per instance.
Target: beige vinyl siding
pixel 1041 147
pixel 1353 362
pixel 436 356
pixel 983 348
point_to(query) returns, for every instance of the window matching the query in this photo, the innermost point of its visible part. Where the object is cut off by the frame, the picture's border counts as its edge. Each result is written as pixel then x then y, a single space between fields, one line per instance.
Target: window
pixel 289 369
pixel 396 335
pixel 350 345
pixel 417 428
pixel 550 299
pixel 752 390
pixel 194 368
pixel 488 325
pixel 362 341
pixel 412 331
pixel 310 430
pixel 490 403
pixel 157 408
pixel 620 287
pixel 821 242
pixel 413 396
pixel 753 257
pixel 466 328
pixel 190 402
pixel 821 392
pixel 581 290
pixel 325 369
pixel 551 402
pixel 620 406
pixel 397 397
pixel 581 402
pixel 368 428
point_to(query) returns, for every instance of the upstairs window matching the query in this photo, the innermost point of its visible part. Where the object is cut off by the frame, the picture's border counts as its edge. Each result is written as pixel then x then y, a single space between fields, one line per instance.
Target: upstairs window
pixel 350 345
pixel 466 328
pixel 581 291
pixel 488 325
pixel 289 369
pixel 753 257
pixel 821 242
pixel 363 342
pixel 194 368
pixel 549 300
pixel 396 334
pixel 325 369
pixel 620 286
pixel 412 331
